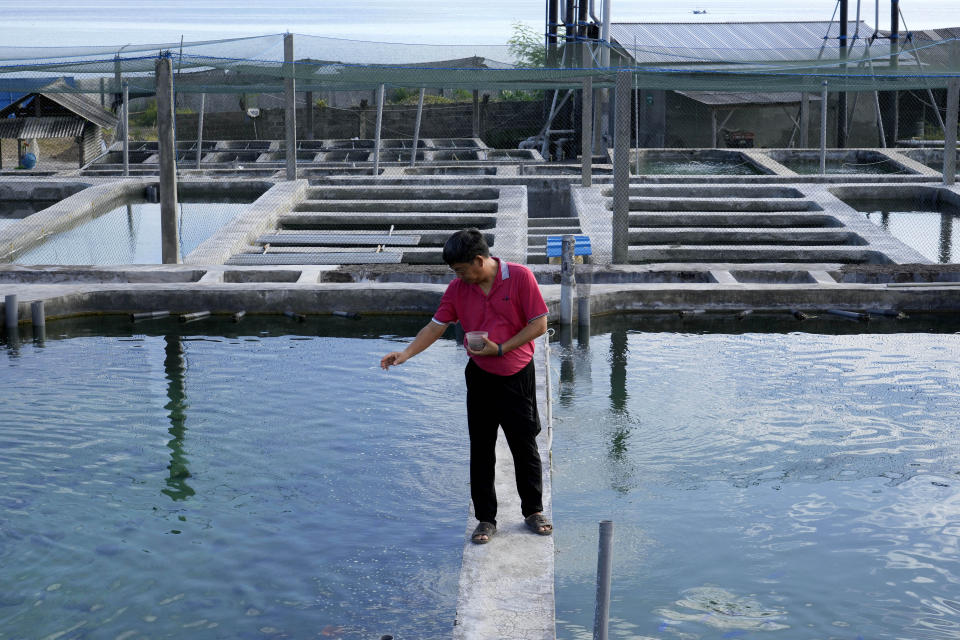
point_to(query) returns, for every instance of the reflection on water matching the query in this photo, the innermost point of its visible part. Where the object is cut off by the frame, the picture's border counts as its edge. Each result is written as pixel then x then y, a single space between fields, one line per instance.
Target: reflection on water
pixel 928 228
pixel 791 483
pixel 130 234
pixel 175 367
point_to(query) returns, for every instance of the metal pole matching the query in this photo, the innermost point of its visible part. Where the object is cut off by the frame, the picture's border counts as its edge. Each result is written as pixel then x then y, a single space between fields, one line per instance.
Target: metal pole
pixel 376 134
pixel 804 120
pixel 37 314
pixel 583 302
pixel 621 168
pixel 601 615
pixel 308 134
pixel 605 63
pixel 416 127
pixel 842 96
pixel 823 128
pixel 586 124
pixel 290 117
pixel 11 311
pixel 950 133
pixel 126 128
pixel 476 113
pixel 203 104
pixel 568 280
pixel 168 166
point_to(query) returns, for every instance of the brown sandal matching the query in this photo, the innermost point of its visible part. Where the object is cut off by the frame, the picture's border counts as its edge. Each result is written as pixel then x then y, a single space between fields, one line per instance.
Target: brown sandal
pixel 483 529
pixel 539 524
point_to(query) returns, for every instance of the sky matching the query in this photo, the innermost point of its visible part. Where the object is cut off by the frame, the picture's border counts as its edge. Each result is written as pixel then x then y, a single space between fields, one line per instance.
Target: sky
pixel 117 22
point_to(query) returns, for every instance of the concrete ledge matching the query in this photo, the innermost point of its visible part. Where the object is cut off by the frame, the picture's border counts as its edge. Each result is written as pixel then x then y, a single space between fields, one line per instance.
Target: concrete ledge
pixel 507 586
pixel 69 212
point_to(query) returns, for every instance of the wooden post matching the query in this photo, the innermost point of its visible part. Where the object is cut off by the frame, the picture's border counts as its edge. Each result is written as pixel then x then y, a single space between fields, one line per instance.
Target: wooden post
pixel 290 96
pixel 168 167
pixel 621 169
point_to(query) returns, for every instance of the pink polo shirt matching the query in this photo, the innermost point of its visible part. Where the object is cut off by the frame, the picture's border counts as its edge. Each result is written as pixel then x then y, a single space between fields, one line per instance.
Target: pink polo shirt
pixel 514 302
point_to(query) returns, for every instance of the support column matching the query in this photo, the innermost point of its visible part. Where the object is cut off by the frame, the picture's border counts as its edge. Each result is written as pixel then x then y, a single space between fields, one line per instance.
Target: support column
pixel 169 238
pixel 621 169
pixel 586 124
pixel 203 104
pixel 416 127
pixel 376 133
pixel 842 96
pixel 804 120
pixel 308 134
pixel 950 132
pixel 126 128
pixel 476 113
pixel 290 96
pixel 823 128
pixel 890 100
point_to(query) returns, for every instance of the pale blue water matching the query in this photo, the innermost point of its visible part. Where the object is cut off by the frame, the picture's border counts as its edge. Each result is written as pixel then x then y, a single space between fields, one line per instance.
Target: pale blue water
pixel 241 486
pixel 117 22
pixel 934 231
pixel 787 486
pixel 130 237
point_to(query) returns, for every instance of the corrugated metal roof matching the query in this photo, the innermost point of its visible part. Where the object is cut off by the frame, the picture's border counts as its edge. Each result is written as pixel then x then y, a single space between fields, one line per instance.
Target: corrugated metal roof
pixel 735 42
pixel 62 94
pixel 44 127
pixel 743 98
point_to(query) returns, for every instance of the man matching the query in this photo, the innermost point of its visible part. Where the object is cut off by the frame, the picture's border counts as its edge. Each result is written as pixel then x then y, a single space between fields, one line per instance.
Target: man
pixel 503 299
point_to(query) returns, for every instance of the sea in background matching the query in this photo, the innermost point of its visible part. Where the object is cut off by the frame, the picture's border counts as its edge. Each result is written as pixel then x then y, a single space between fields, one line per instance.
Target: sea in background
pixel 118 22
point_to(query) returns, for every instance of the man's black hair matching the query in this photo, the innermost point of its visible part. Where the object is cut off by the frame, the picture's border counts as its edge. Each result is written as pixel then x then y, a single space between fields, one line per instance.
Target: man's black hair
pixel 464 246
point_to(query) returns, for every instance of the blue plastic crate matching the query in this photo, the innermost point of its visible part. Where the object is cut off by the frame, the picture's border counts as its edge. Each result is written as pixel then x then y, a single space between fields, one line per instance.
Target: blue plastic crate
pixel 580 248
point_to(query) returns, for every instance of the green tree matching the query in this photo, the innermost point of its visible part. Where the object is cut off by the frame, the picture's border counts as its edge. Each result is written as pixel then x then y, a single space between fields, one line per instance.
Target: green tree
pixel 527 46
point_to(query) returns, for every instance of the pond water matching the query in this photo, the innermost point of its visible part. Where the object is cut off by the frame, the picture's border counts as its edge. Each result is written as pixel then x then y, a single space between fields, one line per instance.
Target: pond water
pixel 235 481
pixel 131 235
pixel 13 210
pixel 788 485
pixel 683 167
pixel 933 230
pixel 808 167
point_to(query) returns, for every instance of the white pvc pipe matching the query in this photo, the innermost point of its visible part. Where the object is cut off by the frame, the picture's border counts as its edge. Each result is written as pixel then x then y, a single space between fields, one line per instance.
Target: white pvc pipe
pixel 416 128
pixel 376 134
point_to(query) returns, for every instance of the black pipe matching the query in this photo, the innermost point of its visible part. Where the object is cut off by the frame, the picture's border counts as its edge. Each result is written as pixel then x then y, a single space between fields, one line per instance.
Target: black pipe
pixel 569 22
pixel 842 96
pixel 582 21
pixel 889 100
pixel 553 17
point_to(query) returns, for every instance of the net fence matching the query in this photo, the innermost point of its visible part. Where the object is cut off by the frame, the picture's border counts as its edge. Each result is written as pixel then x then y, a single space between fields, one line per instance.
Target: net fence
pixel 744 103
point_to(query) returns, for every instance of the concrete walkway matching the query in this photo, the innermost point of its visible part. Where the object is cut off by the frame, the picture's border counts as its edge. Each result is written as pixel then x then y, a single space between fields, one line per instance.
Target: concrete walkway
pixel 506 586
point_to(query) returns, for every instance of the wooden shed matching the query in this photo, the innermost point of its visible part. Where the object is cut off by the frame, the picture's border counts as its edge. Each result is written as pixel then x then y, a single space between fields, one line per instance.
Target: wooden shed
pixel 56 112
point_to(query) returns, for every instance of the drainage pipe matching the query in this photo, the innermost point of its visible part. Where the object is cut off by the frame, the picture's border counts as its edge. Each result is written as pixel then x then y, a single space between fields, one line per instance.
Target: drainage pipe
pixel 848 314
pixel 376 133
pixel 416 128
pixel 203 104
pixel 196 315
pixel 553 17
pixel 621 169
pixel 601 616
pixel 568 280
pixel 37 314
pixel 169 238
pixel 148 315
pixel 823 129
pixel 290 97
pixel 950 133
pixel 126 128
pixel 11 311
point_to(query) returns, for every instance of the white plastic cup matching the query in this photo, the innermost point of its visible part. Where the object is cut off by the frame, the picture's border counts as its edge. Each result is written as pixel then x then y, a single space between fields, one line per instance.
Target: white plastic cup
pixel 475 340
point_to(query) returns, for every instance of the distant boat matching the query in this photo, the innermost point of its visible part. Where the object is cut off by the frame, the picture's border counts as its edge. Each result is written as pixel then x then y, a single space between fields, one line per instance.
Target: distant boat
pixel 699 11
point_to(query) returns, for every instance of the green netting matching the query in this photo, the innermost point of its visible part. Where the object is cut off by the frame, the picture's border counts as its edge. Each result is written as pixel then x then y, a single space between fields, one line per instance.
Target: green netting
pixel 250 65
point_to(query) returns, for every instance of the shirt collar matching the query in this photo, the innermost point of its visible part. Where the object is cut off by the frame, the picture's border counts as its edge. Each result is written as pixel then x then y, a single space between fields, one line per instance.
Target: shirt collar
pixel 504 269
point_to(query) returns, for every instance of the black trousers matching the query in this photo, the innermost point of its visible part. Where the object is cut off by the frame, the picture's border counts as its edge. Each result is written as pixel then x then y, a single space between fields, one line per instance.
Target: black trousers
pixel 510 402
